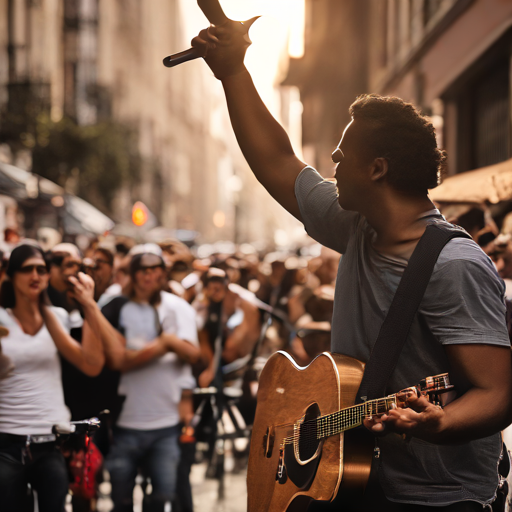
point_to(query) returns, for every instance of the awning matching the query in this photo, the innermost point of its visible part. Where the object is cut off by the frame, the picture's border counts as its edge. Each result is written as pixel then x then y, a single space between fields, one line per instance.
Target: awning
pixel 492 184
pixel 23 184
pixel 80 216
pixel 83 216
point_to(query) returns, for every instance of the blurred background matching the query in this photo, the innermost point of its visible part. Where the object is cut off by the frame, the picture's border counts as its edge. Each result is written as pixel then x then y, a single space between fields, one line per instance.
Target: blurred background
pixel 97 136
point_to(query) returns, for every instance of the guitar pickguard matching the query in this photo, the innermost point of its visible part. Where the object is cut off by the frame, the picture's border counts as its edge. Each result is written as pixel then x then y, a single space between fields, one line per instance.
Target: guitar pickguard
pixel 301 475
pixel 301 458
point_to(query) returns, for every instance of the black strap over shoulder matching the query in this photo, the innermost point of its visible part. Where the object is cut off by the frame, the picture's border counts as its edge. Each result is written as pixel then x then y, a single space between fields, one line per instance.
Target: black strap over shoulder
pixel 397 324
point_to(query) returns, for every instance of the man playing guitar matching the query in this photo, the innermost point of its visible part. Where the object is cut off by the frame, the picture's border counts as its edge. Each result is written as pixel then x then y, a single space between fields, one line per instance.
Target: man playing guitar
pixel 375 214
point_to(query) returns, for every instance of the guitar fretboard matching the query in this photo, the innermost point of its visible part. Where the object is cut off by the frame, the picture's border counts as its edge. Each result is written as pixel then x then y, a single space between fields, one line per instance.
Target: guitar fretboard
pixel 351 417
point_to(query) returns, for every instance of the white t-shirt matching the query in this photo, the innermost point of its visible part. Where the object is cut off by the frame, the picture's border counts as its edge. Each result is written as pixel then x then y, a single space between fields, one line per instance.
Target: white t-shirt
pixel 153 391
pixel 114 290
pixel 31 398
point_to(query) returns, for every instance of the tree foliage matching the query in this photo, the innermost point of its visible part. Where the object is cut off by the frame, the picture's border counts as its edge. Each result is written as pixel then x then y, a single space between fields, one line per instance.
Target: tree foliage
pixel 95 161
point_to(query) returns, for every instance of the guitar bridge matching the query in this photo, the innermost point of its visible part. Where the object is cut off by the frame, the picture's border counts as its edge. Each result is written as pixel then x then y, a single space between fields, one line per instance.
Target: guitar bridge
pixel 281 475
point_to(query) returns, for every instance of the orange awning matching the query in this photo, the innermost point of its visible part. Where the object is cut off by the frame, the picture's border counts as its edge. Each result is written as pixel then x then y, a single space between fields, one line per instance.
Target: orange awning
pixel 492 184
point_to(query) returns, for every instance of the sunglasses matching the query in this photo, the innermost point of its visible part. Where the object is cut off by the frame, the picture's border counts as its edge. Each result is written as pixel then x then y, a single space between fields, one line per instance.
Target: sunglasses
pixel 28 269
pixel 71 264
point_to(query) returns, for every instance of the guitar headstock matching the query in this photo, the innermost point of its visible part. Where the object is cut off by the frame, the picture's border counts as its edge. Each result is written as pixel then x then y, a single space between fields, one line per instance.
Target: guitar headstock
pixel 430 387
pixel 435 385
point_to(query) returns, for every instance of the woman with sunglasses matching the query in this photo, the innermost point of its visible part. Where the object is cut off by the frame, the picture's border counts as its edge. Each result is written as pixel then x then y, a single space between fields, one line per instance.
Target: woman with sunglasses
pixel 31 397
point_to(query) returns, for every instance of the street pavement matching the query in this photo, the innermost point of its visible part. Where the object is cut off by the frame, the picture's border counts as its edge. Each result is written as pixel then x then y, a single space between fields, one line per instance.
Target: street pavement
pixel 205 492
pixel 206 496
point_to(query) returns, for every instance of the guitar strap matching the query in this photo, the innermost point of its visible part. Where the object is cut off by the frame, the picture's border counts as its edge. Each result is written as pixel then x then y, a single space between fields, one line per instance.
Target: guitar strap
pixel 397 324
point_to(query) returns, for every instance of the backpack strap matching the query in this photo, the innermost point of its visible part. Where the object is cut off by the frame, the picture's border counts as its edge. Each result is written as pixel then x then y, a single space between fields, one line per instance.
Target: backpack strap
pixel 397 324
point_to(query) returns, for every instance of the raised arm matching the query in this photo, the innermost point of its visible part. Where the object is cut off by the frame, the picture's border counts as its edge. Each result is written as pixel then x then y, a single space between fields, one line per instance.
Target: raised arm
pixel 88 357
pixel 119 357
pixel 113 341
pixel 262 139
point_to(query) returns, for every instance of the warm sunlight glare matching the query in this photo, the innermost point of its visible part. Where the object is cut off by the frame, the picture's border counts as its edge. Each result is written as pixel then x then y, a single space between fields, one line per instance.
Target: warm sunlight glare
pixel 289 14
pixel 276 36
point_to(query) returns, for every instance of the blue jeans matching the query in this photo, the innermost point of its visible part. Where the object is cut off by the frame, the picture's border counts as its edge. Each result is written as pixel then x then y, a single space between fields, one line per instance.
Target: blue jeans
pixel 155 453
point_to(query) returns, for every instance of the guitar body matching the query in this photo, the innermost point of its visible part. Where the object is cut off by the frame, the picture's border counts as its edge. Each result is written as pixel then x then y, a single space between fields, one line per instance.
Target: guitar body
pixel 285 476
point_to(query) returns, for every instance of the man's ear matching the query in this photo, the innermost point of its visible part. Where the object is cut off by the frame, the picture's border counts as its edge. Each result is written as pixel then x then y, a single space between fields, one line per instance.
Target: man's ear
pixel 379 169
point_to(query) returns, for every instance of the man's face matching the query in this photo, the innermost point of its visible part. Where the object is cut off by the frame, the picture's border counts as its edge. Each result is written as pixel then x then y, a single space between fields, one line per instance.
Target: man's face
pixel 70 267
pixel 215 291
pixel 352 176
pixel 102 272
pixel 63 267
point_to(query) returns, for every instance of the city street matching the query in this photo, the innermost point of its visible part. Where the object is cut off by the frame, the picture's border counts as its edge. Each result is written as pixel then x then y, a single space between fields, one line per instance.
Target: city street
pixel 205 493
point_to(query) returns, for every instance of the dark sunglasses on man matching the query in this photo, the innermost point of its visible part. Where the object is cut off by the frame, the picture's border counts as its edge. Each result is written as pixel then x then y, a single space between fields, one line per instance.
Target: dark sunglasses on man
pixel 88 266
pixel 71 264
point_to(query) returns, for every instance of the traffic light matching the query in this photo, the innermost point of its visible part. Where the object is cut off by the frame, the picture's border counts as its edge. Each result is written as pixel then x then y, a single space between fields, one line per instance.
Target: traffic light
pixel 140 214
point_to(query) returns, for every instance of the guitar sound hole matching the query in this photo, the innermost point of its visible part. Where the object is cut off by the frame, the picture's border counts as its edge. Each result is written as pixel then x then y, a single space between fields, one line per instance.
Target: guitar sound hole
pixel 308 442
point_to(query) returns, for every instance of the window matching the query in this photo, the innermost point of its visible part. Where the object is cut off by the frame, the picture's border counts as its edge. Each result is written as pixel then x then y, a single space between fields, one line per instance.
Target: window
pixel 491 129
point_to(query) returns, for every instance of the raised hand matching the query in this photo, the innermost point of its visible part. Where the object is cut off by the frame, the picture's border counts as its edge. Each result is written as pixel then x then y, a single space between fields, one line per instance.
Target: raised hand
pixel 83 288
pixel 223 47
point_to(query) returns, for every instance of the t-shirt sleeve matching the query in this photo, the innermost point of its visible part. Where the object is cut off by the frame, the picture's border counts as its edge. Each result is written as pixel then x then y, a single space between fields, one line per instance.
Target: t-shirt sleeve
pixel 186 323
pixel 63 317
pixel 186 379
pixel 324 219
pixel 464 302
pixel 112 312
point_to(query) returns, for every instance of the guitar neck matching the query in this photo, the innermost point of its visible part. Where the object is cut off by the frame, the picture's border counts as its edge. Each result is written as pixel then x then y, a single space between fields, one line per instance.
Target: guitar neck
pixel 351 417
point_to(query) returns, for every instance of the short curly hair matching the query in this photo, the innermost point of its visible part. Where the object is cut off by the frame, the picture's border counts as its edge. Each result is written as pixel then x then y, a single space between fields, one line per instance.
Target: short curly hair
pixel 406 138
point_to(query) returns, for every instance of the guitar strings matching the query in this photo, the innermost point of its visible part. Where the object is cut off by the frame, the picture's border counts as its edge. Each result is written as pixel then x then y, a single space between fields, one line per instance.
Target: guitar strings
pixel 350 417
pixel 337 422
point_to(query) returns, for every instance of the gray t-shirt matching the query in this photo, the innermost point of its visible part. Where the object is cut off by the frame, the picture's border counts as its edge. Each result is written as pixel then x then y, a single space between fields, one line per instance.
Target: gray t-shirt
pixel 464 303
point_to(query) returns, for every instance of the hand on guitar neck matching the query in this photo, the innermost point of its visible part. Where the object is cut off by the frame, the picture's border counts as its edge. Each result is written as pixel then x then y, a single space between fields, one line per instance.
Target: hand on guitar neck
pixel 298 444
pixel 421 418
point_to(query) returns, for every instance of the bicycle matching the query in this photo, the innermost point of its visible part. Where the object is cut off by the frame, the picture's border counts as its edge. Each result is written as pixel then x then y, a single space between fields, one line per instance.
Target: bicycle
pixel 83 458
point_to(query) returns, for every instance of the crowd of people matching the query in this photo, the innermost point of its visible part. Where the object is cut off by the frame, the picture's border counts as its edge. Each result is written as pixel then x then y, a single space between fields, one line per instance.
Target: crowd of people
pixel 133 329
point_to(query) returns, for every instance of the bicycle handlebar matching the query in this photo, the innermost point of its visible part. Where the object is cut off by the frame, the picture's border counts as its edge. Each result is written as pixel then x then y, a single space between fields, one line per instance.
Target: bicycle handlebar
pixel 78 427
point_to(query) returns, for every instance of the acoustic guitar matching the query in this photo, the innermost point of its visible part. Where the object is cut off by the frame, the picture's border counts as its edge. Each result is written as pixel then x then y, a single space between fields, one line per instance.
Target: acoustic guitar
pixel 299 450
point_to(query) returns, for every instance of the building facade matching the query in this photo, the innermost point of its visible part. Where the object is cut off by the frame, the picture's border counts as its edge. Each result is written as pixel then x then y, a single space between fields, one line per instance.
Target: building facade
pixel 97 61
pixel 452 58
